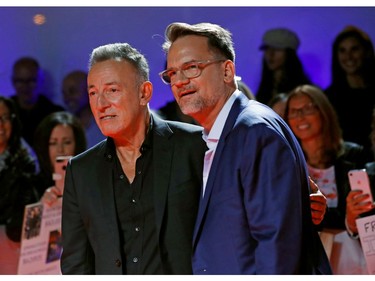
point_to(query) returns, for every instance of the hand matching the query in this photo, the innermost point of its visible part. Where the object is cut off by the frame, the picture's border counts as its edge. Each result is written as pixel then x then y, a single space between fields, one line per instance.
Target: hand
pixel 356 203
pixel 51 195
pixel 318 203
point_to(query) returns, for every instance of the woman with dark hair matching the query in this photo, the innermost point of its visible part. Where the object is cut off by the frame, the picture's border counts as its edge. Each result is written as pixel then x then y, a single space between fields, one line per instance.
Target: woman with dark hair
pixel 352 90
pixel 16 170
pixel 59 134
pixel 314 122
pixel 282 70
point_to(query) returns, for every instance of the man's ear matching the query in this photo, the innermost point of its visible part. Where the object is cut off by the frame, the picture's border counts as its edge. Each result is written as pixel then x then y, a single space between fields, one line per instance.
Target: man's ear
pixel 145 92
pixel 229 71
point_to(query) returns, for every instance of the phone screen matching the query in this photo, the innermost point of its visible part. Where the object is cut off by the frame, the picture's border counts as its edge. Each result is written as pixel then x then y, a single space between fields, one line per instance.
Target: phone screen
pixel 60 170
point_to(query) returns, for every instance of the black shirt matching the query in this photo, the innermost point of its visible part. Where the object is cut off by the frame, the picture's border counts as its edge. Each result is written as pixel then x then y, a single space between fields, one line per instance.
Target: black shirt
pixel 136 215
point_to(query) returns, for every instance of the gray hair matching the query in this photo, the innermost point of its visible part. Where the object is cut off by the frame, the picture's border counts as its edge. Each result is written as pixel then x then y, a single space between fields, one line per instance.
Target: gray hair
pixel 219 38
pixel 119 52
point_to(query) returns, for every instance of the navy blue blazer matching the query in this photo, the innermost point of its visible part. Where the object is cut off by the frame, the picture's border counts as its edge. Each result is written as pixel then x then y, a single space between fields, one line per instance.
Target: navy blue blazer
pixel 255 215
pixel 90 231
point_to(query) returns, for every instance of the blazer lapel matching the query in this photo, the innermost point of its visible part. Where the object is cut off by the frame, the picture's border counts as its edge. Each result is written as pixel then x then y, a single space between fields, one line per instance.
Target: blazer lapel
pixel 105 184
pixel 237 107
pixel 162 160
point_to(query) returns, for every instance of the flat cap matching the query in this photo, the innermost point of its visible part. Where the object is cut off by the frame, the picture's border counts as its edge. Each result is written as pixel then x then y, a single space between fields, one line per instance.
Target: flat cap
pixel 281 38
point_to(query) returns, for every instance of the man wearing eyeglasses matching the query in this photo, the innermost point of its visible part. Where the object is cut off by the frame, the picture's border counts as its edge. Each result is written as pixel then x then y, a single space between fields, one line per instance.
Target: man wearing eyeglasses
pixel 254 215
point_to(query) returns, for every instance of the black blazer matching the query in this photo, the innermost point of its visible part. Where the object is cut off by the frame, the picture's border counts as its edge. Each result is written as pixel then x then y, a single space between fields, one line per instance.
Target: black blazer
pixel 90 231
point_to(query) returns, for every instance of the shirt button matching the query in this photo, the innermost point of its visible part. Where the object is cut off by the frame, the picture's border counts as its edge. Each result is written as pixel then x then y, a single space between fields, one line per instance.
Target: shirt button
pixel 137 229
pixel 135 260
pixel 133 200
pixel 118 263
pixel 139 172
pixel 122 177
pixel 109 156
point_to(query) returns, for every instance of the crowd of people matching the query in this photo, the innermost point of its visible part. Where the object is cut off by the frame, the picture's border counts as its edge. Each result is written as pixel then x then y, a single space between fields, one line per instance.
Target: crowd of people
pixel 194 187
pixel 33 132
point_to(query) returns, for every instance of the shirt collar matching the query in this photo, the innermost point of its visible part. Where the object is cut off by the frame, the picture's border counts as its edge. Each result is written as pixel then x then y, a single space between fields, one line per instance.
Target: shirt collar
pixel 219 123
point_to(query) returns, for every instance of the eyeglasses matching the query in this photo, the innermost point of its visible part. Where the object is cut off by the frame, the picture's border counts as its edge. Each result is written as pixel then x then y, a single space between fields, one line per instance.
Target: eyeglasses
pixel 6 118
pixel 308 109
pixel 190 69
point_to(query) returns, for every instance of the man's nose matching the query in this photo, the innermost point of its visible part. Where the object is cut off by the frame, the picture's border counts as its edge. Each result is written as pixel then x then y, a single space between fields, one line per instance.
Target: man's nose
pixel 179 79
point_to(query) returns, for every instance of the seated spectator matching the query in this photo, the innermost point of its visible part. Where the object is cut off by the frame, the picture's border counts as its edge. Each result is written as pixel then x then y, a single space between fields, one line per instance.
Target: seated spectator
pixel 59 134
pixel 76 99
pixel 314 122
pixel 16 191
pixel 31 105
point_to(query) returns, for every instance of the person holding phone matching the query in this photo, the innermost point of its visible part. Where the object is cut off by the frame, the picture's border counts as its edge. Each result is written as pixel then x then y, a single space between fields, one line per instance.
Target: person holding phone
pixel 59 134
pixel 358 203
pixel 329 158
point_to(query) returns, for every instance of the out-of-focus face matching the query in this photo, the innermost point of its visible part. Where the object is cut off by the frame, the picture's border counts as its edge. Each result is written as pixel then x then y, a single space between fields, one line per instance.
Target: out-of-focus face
pixel 279 108
pixel 275 58
pixel 5 127
pixel 351 55
pixel 61 142
pixel 117 99
pixel 25 82
pixel 199 96
pixel 304 118
pixel 75 95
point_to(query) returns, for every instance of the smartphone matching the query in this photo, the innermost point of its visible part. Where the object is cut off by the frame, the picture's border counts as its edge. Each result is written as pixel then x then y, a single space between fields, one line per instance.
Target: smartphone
pixel 359 180
pixel 60 170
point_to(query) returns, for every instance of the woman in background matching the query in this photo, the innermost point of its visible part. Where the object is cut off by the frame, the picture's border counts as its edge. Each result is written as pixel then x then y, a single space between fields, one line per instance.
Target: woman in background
pixel 357 203
pixel 352 89
pixel 17 168
pixel 59 134
pixel 282 69
pixel 314 122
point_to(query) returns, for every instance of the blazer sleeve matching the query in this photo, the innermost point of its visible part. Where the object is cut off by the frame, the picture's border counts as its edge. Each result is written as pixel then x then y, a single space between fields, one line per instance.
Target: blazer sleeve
pixel 77 256
pixel 272 180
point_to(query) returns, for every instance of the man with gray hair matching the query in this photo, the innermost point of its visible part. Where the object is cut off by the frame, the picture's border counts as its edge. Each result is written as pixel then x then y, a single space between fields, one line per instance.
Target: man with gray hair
pixel 130 202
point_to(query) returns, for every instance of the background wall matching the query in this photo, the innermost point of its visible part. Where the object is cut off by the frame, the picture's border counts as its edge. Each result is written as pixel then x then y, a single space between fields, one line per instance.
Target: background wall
pixel 63 43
